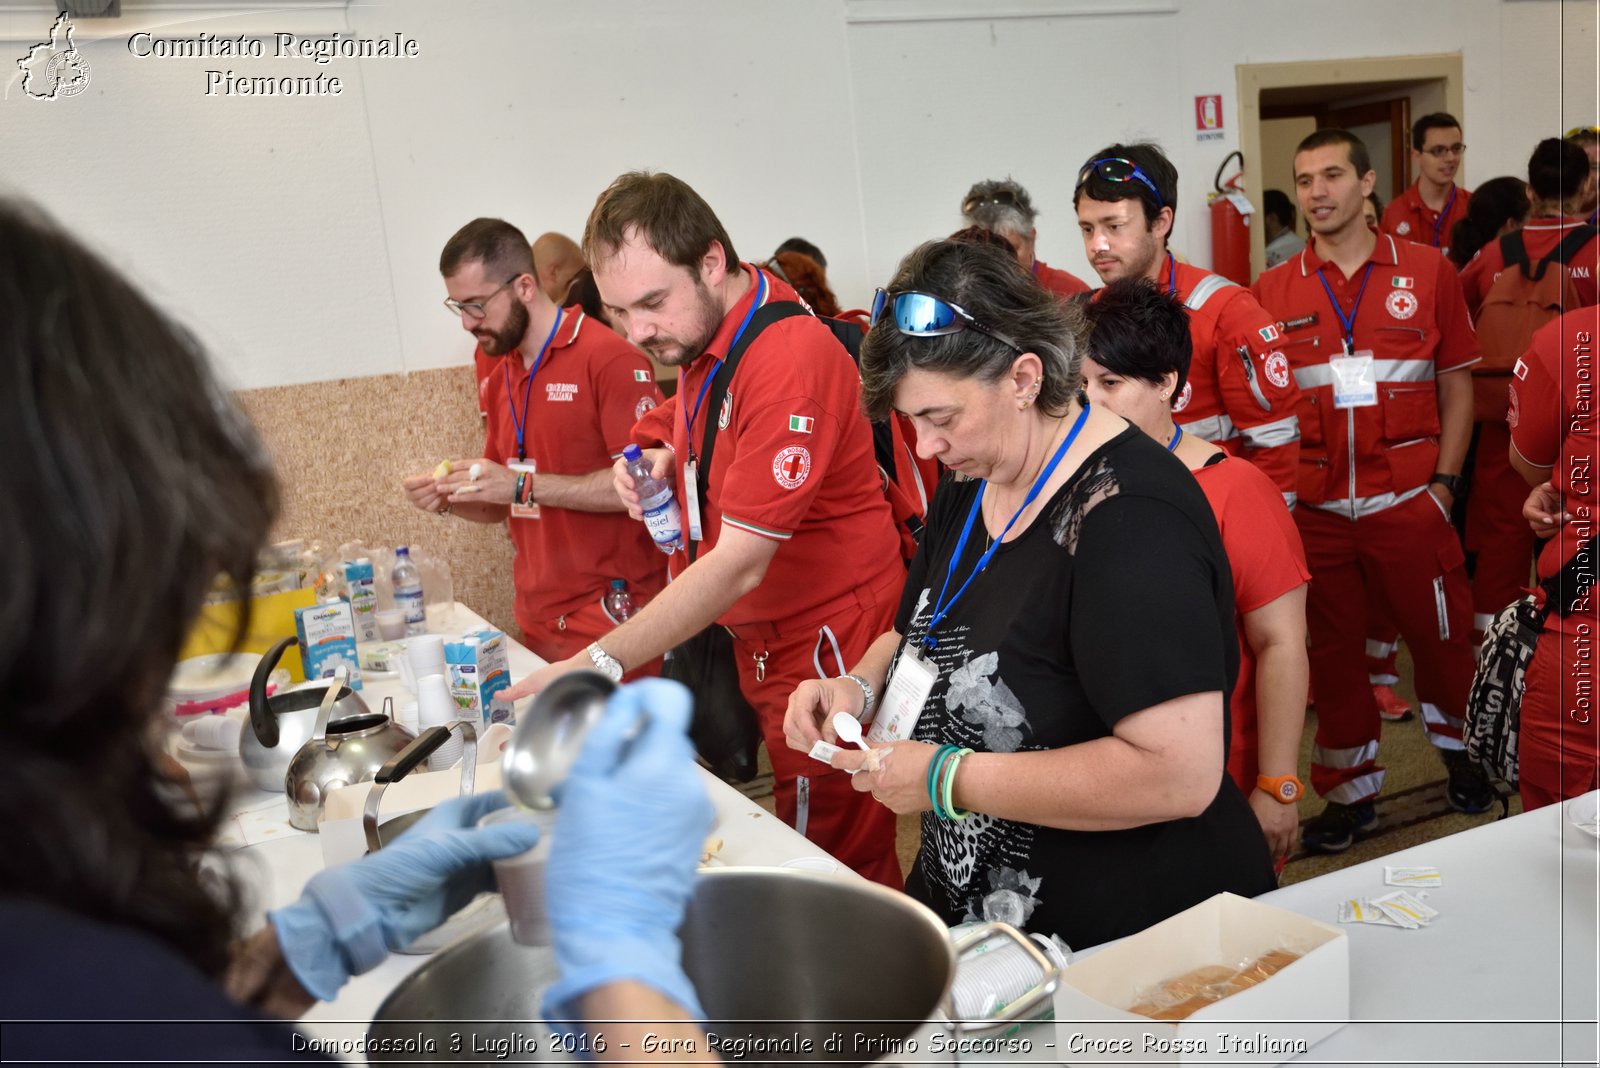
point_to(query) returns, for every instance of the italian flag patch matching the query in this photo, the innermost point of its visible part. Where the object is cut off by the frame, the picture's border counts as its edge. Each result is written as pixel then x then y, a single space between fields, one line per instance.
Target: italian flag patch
pixel 801 424
pixel 641 376
pixel 1400 281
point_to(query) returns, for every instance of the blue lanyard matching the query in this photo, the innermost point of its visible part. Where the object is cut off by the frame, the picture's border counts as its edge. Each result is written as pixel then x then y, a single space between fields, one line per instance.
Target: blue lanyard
pixel 1176 437
pixel 942 609
pixel 1443 215
pixel 688 416
pixel 1172 275
pixel 522 423
pixel 1348 322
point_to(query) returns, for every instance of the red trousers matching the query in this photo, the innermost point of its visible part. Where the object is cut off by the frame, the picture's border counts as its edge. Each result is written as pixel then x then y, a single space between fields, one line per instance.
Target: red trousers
pixel 1410 555
pixel 813 798
pixel 570 634
pixel 1558 746
pixel 1496 530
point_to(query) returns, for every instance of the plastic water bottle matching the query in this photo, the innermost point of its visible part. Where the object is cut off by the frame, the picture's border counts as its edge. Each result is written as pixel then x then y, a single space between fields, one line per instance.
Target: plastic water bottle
pixel 407 582
pixel 660 505
pixel 619 602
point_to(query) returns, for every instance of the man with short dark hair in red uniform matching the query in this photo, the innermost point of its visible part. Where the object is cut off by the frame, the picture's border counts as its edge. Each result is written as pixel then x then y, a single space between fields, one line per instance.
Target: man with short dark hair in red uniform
pixel 799 557
pixel 1558 176
pixel 561 404
pixel 1240 392
pixel 1432 205
pixel 1004 207
pixel 1378 336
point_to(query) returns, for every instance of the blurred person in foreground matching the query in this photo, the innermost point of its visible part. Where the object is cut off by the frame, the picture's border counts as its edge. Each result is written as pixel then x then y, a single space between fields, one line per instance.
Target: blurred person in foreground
pixel 118 907
pixel 1068 782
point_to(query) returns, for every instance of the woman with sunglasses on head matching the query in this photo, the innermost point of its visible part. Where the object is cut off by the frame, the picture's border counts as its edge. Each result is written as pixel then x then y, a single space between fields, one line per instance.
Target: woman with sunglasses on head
pixel 1066 631
pixel 1138 358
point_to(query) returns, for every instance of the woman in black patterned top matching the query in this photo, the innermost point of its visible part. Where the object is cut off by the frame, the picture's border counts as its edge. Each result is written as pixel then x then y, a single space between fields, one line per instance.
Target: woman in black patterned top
pixel 1072 595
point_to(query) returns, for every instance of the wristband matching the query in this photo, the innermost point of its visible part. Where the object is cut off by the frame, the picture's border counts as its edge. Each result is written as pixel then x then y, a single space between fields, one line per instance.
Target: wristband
pixel 516 491
pixel 944 753
pixel 946 789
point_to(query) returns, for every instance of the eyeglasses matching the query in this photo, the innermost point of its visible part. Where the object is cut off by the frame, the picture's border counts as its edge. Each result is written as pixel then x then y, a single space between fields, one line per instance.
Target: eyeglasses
pixel 999 196
pixel 925 315
pixel 1117 169
pixel 1441 151
pixel 474 309
pixel 1578 131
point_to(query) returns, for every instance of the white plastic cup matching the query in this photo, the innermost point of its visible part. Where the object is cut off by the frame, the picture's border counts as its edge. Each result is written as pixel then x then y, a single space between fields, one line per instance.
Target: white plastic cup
pixel 213 732
pixel 407 716
pixel 391 624
pixel 521 877
pixel 425 654
pixel 435 707
pixel 996 972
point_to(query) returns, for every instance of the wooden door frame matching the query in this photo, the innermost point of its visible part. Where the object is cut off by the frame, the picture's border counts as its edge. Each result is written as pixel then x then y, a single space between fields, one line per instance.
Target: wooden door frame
pixel 1253 78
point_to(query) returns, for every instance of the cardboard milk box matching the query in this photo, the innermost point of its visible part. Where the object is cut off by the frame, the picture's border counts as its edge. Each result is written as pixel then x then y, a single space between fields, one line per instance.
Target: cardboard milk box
pixel 327 634
pixel 363 596
pixel 477 666
pixel 1269 1021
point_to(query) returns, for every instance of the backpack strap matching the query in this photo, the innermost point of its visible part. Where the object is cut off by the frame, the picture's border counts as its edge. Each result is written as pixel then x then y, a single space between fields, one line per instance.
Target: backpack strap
pixel 1514 252
pixel 764 316
pixel 1570 245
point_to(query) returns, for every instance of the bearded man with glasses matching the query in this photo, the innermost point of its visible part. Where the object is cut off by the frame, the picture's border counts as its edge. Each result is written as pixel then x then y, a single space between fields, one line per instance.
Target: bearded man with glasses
pixel 1240 394
pixel 1430 208
pixel 560 405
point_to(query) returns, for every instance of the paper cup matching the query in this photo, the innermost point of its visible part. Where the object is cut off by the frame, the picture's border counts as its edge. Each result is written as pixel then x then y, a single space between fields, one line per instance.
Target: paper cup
pixel 391 624
pixel 521 877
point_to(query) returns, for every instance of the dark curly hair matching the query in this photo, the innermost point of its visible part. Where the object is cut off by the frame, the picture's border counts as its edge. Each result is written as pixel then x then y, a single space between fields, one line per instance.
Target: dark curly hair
pixel 132 481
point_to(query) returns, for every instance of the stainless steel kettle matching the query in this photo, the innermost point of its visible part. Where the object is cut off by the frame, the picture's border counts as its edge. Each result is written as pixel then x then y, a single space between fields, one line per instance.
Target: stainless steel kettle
pixel 337 754
pixel 283 723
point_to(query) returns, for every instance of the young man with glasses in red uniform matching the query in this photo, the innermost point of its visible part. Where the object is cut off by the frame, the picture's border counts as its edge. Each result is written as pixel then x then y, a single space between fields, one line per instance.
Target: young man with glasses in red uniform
pixel 795 552
pixel 561 403
pixel 1240 394
pixel 1379 337
pixel 1432 205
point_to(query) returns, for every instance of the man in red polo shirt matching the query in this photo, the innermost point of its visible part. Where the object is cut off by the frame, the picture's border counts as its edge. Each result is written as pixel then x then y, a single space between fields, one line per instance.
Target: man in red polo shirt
pixel 1379 336
pixel 799 557
pixel 1558 176
pixel 1432 205
pixel 1005 208
pixel 1240 393
pixel 561 404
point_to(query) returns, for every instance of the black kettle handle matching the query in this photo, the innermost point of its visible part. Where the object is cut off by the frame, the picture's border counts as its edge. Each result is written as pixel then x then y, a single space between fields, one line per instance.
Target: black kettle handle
pixel 262 721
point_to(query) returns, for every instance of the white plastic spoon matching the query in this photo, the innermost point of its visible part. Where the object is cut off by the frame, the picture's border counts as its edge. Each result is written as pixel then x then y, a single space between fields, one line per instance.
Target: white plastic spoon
pixel 848 728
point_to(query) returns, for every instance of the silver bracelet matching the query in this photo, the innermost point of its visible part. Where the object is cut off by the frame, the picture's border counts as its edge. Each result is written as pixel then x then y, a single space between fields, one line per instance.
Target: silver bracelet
pixel 867 690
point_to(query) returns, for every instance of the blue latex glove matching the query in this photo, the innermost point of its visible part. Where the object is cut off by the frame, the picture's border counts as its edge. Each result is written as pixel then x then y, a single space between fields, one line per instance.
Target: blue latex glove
pixel 349 917
pixel 633 819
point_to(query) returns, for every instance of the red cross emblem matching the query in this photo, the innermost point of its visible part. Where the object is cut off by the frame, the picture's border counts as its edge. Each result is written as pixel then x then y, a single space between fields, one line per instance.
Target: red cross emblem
pixel 791 466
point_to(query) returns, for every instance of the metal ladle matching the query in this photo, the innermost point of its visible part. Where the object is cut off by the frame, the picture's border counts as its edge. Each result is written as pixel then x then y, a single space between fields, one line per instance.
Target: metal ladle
pixel 549 735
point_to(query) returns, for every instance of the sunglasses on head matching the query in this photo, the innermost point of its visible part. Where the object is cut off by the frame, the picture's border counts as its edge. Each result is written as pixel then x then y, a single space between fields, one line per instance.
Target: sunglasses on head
pixel 925 315
pixel 999 196
pixel 1117 169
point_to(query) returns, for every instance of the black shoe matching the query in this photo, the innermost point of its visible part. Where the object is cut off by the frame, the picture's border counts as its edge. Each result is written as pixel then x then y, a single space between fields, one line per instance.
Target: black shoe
pixel 1467 789
pixel 1337 827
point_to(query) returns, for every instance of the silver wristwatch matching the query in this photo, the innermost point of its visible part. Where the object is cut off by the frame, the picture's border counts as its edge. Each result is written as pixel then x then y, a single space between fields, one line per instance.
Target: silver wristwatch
pixel 604 662
pixel 866 688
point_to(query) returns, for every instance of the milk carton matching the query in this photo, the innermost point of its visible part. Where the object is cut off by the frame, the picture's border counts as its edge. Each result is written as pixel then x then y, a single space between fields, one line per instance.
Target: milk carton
pixel 327 634
pixel 477 667
pixel 363 596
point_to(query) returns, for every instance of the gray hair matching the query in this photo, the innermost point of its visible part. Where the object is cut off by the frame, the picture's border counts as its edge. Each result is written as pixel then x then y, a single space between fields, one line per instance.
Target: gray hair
pixel 994 289
pixel 1002 206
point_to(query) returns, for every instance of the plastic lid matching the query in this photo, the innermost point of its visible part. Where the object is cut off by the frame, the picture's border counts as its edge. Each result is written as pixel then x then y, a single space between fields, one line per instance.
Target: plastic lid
pixel 403 551
pixel 631 453
pixel 619 584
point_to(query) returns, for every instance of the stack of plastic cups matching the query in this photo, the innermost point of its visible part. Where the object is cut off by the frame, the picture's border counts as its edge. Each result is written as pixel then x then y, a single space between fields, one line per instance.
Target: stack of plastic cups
pixel 436 707
pixel 996 972
pixel 521 877
pixel 424 656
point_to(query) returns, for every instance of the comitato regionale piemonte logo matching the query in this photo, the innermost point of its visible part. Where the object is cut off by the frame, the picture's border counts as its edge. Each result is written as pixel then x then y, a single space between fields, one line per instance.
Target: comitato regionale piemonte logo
pixel 55 68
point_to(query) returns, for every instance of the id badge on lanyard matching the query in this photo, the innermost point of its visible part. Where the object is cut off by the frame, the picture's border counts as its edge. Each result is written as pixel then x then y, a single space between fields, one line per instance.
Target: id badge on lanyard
pixel 1355 380
pixel 904 698
pixel 530 510
pixel 691 490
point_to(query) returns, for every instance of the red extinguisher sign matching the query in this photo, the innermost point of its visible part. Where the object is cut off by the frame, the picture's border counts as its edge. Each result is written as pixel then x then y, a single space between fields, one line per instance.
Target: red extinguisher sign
pixel 1208 117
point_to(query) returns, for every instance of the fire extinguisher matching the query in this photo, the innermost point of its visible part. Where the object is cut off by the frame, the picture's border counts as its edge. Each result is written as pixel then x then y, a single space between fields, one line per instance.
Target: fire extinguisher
pixel 1230 225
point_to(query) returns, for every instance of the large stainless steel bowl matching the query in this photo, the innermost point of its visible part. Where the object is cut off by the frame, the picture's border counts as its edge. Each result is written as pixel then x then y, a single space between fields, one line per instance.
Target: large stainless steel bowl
pixel 774 953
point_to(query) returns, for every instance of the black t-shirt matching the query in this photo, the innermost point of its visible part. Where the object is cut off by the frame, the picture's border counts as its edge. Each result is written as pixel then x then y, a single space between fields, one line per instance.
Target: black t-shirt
pixel 1116 598
pixel 76 990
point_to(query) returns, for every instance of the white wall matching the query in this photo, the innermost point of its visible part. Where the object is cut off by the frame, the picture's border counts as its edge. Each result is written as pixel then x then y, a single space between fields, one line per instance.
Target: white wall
pixel 301 234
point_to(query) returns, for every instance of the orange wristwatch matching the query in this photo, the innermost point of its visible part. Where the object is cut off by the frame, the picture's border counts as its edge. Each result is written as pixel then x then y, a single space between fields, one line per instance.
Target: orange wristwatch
pixel 1284 789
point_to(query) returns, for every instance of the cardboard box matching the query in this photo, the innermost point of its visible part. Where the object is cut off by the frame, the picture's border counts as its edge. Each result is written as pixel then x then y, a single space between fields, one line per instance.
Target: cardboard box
pixel 327 634
pixel 362 594
pixel 477 666
pixel 1270 1023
